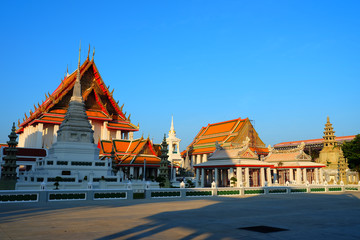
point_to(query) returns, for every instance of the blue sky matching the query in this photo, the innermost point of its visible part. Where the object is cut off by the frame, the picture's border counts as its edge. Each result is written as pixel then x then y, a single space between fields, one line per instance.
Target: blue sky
pixel 284 64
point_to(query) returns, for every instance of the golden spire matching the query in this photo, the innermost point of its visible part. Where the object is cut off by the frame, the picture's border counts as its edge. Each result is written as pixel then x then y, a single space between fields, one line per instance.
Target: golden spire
pixel 92 59
pixel 88 52
pixel 77 87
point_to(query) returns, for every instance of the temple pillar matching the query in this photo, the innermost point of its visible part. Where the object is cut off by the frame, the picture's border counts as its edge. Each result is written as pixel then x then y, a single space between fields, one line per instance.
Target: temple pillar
pixel 291 175
pixel 317 176
pixel 231 173
pixel 268 176
pixel 262 177
pixel 198 160
pixel 202 177
pixel 298 176
pixel 56 129
pixel 238 176
pixel 118 134
pixel 205 158
pixel 104 131
pixel 247 182
pixel 197 177
pixel 304 175
pixel 275 175
pixel 321 176
pixel 216 177
pixel 131 171
pixel 39 135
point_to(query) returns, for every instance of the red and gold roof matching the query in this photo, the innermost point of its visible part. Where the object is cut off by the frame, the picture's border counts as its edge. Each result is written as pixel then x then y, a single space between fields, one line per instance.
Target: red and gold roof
pixel 223 133
pixel 131 152
pixel 99 102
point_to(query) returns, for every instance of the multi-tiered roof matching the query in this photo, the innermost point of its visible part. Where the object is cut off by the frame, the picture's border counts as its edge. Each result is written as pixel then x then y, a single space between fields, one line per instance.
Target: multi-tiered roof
pixel 228 133
pixel 99 101
pixel 131 152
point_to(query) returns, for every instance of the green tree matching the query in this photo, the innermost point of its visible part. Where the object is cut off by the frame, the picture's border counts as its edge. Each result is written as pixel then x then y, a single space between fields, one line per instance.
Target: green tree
pixel 352 153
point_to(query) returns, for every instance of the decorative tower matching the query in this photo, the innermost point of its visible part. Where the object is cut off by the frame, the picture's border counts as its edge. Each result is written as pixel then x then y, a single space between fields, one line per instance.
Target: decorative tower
pixel 331 155
pixel 174 148
pixel 329 137
pixel 8 173
pixel 164 163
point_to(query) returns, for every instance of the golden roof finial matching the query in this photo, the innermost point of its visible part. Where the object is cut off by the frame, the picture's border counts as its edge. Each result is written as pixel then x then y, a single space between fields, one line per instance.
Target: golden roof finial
pixel 112 91
pixel 129 117
pixel 67 70
pixel 92 59
pixel 121 108
pixel 18 122
pixel 88 52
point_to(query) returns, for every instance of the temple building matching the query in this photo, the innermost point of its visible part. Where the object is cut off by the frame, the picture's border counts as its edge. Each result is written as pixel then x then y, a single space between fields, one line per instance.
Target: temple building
pixel 227 162
pixel 39 129
pixel 294 166
pixel 74 156
pixel 227 134
pixel 240 166
pixel 133 159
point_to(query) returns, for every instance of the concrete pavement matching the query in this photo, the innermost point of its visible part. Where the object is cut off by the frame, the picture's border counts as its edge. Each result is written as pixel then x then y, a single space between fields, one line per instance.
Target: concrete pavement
pixel 312 216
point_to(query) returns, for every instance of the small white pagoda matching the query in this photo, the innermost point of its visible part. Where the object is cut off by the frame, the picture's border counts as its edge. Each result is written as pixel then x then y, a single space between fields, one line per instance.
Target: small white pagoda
pixel 174 150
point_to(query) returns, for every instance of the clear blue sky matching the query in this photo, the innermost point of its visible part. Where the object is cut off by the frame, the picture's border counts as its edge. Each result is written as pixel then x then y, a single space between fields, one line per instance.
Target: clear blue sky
pixel 285 64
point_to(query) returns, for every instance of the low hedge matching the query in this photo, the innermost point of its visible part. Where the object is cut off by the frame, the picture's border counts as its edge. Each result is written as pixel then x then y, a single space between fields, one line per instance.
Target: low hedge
pixel 317 189
pixel 351 188
pixel 277 190
pixel 18 197
pixel 67 196
pixel 138 195
pixel 198 193
pixel 117 195
pixel 165 194
pixel 335 189
pixel 255 191
pixel 298 190
pixel 231 192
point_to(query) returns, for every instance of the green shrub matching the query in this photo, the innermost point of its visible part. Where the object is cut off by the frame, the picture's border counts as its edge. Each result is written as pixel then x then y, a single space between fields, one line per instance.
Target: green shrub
pixel 337 189
pixel 255 191
pixel 317 189
pixel 298 190
pixel 277 190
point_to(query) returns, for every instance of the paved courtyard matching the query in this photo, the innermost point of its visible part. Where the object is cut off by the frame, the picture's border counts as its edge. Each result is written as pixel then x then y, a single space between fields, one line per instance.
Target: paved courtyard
pixel 303 216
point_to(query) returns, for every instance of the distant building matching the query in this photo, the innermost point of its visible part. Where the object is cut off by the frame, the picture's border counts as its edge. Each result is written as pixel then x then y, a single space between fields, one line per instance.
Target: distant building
pixel 230 133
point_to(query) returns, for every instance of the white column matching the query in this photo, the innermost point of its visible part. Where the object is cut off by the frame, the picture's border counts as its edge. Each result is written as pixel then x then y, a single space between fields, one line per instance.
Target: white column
pixel 321 176
pixel 202 177
pixel 247 182
pixel 304 175
pixel 291 175
pixel 204 157
pixel 118 134
pixel 298 176
pixel 132 171
pixel 275 175
pixel 104 131
pixel 238 176
pixel 39 135
pixel 198 160
pixel 56 129
pixel 217 177
pixel 262 177
pixel 197 177
pixel 231 171
pixel 268 176
pixel 316 175
pixel 140 171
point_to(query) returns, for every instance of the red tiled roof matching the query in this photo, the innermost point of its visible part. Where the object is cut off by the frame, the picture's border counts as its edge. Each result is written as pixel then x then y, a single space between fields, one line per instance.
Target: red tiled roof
pixel 313 141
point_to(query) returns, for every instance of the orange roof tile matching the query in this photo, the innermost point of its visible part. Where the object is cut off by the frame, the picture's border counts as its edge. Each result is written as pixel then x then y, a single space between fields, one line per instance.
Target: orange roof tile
pixel 313 141
pixel 203 150
pixel 220 127
pixel 211 140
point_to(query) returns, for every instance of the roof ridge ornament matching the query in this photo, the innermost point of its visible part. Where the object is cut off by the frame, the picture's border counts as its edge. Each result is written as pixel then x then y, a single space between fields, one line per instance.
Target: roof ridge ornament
pixel 88 52
pixel 77 87
pixel 92 59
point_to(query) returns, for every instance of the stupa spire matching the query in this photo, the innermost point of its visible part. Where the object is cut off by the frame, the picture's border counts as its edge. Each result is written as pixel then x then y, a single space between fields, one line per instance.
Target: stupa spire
pixel 77 87
pixel 76 126
pixel 172 130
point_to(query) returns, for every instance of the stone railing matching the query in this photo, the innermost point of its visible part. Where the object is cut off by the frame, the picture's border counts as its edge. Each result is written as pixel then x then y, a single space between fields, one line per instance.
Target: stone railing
pixel 129 193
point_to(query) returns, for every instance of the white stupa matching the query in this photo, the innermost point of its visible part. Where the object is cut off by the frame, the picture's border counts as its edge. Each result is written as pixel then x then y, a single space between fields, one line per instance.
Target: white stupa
pixel 74 157
pixel 174 149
